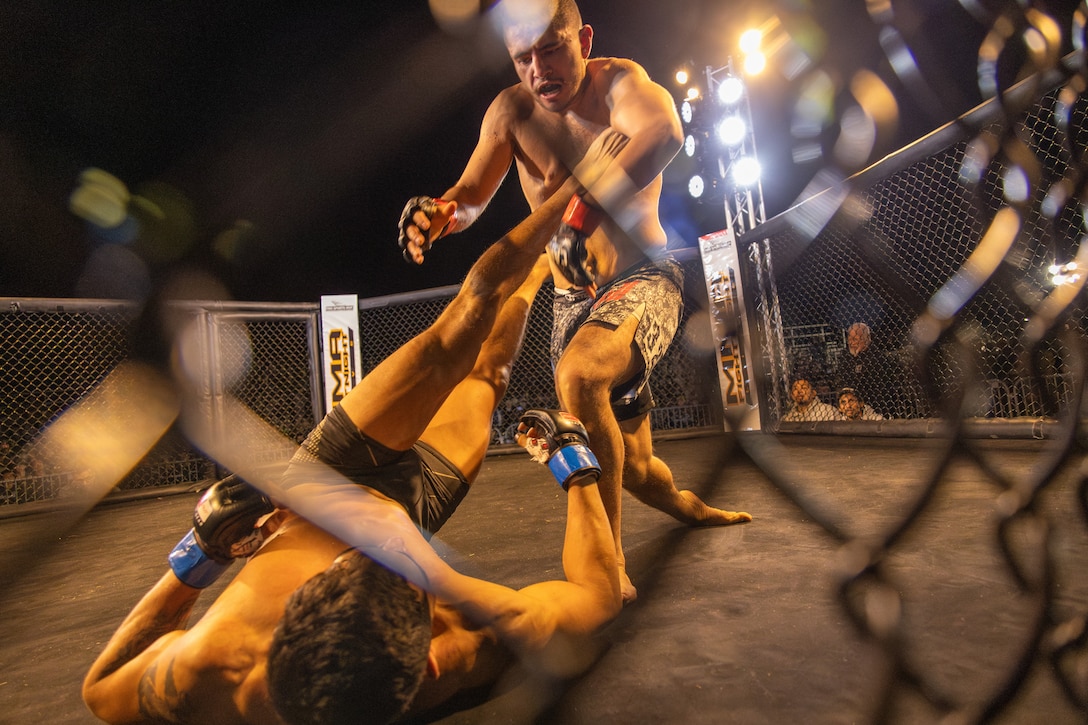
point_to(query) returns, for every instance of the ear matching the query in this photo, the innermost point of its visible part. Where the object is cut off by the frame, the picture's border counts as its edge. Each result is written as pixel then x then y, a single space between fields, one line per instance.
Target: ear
pixel 432 665
pixel 585 39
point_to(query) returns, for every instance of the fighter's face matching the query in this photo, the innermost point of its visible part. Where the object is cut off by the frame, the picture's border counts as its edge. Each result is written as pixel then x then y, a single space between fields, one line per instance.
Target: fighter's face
pixel 552 64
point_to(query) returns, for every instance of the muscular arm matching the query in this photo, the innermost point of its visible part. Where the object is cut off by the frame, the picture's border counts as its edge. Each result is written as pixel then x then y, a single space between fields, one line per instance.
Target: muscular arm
pixel 125 684
pixel 487 166
pixel 463 202
pixel 645 113
pixel 528 619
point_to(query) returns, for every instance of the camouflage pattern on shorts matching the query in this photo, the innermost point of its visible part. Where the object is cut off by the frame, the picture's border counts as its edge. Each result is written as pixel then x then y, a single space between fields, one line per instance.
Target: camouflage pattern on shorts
pixel 658 284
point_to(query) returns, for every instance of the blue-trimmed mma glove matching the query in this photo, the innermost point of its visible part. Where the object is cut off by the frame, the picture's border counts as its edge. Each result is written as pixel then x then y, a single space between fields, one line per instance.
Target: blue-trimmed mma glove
pixel 560 441
pixel 567 247
pixel 428 205
pixel 225 527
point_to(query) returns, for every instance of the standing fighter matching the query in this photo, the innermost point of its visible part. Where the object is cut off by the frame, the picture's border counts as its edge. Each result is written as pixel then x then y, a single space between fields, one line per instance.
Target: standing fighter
pixel 608 258
pixel 345 608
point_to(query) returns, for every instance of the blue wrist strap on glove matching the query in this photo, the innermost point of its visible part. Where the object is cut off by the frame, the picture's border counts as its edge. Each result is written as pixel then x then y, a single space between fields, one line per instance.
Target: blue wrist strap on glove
pixel 192 566
pixel 572 460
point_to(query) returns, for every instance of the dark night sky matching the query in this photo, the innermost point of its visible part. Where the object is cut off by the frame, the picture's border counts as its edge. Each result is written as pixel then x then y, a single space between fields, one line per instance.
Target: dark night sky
pixel 280 143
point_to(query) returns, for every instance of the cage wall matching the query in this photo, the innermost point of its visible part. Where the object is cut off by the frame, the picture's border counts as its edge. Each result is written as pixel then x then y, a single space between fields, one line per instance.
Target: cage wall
pixel 57 352
pixel 266 356
pixel 894 245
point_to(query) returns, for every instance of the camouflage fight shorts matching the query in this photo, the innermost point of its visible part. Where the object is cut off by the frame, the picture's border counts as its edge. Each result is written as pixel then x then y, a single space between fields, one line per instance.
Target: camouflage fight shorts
pixel 658 284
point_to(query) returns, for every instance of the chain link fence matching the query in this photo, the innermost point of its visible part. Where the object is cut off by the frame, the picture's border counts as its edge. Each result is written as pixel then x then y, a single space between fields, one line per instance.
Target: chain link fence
pixel 57 352
pixel 964 256
pixel 885 252
pixel 266 356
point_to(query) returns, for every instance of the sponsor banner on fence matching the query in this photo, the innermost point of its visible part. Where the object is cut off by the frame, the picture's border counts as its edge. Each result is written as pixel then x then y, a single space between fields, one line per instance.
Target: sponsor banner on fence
pixel 340 354
pixel 729 327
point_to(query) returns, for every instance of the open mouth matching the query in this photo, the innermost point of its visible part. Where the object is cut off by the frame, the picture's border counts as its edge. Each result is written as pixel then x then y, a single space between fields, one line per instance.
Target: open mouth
pixel 549 90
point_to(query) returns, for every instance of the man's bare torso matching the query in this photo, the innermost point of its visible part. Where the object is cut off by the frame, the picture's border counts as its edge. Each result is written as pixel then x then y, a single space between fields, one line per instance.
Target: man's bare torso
pixel 548 145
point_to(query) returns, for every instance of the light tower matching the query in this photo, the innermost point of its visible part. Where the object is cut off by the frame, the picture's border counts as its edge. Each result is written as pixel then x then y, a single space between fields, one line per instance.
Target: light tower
pixel 720 137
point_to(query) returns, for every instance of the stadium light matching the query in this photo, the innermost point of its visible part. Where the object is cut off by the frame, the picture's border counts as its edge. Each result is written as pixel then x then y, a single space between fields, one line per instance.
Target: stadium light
pixel 696 186
pixel 755 63
pixel 1060 274
pixel 730 90
pixel 746 171
pixel 731 161
pixel 732 130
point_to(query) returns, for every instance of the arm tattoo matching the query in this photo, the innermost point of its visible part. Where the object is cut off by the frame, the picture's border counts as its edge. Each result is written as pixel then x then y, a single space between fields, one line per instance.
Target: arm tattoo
pixel 162 702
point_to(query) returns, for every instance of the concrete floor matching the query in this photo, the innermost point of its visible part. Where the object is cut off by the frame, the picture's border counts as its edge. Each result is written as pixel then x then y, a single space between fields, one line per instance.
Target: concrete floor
pixel 736 625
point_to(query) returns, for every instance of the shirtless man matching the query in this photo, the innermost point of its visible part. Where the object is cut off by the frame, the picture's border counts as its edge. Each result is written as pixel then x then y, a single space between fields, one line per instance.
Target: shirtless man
pixel 346 607
pixel 609 257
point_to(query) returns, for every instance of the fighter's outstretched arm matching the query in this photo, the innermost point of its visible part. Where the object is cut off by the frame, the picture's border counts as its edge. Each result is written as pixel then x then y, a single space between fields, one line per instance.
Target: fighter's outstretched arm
pixel 394 403
pixel 112 688
pixel 134 679
pixel 461 204
pixel 529 619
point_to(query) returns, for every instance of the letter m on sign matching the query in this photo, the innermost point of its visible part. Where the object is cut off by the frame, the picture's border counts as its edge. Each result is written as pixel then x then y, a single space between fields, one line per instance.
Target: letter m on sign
pixel 341 357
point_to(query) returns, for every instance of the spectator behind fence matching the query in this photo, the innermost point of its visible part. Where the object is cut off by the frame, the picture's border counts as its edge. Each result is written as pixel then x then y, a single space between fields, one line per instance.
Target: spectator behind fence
pixel 867 371
pixel 807 405
pixel 852 406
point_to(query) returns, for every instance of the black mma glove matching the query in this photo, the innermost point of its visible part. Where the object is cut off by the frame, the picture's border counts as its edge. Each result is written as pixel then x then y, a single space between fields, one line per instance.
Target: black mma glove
pixel 224 529
pixel 561 442
pixel 426 204
pixel 567 247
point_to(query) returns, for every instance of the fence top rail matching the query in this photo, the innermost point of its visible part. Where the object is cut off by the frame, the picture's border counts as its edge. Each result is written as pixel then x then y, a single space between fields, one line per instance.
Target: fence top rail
pixel 237 306
pixel 62 304
pixel 69 304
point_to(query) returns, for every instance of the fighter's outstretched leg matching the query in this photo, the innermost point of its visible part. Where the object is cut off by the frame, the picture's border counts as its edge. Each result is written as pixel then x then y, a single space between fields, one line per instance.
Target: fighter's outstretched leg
pixel 396 401
pixel 461 429
pixel 595 359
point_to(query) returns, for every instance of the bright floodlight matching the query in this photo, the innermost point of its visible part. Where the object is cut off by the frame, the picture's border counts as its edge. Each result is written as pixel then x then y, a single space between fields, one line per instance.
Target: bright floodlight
pixel 696 185
pixel 1064 274
pixel 689 145
pixel 732 130
pixel 693 93
pixel 746 171
pixel 730 90
pixel 682 76
pixel 755 63
pixel 750 41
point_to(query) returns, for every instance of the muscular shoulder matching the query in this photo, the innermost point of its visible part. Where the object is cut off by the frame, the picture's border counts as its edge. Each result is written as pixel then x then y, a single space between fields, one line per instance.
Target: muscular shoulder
pixel 512 107
pixel 610 73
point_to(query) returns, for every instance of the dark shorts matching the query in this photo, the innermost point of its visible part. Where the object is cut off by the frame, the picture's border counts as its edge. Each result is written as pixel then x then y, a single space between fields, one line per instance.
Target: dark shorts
pixel 658 284
pixel 421 479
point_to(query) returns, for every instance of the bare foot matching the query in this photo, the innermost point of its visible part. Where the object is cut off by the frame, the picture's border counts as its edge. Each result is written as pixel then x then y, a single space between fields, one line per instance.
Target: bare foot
pixel 703 515
pixel 627 589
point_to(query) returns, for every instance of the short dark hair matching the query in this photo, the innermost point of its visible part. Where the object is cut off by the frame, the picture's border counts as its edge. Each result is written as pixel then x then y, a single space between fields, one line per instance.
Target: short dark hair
pixel 351 647
pixel 565 13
